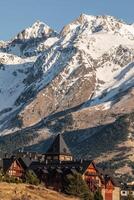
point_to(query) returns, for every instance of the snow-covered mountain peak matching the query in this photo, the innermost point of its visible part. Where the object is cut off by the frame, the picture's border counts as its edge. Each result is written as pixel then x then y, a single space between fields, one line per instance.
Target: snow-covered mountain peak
pixel 31 41
pixel 89 24
pixel 37 30
pixel 84 18
pixel 95 23
pixel 98 19
pixel 38 23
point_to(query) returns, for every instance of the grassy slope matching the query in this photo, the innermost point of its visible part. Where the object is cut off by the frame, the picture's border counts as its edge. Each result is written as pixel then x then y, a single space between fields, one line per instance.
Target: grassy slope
pixel 16 191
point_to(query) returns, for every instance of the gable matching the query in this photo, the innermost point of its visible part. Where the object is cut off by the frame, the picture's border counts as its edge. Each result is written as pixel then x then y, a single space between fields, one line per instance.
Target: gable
pixel 15 165
pixel 109 184
pixel 91 168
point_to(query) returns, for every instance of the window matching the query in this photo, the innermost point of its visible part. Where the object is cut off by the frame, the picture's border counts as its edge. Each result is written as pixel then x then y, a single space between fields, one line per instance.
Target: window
pixel 124 193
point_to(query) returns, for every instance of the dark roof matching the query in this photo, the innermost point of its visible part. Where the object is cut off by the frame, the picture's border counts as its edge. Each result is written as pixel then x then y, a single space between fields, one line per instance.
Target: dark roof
pixel 82 164
pixel 127 187
pixel 59 146
pixel 25 162
pixel 7 163
pixel 35 165
pixel 79 165
pixel 108 175
pixel 2 155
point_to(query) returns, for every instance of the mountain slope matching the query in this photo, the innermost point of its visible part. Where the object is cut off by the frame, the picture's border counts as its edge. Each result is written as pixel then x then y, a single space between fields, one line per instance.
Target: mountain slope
pixel 17 58
pixel 79 83
pixel 75 74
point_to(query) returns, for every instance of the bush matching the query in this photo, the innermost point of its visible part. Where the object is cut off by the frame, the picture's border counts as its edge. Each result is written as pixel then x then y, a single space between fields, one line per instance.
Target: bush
pixel 31 178
pixel 130 197
pixel 74 185
pixel 9 179
pixel 1 175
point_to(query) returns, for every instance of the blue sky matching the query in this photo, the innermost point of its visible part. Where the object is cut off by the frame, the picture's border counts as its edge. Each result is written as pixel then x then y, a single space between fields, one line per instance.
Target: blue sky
pixel 15 15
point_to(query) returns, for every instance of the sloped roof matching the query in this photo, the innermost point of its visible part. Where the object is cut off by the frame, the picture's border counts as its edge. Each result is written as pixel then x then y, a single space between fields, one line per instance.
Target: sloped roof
pixel 25 162
pixel 7 163
pixel 1 155
pixel 36 164
pixel 59 146
pixel 79 165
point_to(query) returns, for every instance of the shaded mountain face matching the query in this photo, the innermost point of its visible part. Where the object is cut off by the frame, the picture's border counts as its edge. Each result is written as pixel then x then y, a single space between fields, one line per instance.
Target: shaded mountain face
pixel 79 82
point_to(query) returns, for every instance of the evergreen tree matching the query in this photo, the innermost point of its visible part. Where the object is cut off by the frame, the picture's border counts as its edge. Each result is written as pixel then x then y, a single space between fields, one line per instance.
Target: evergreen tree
pixel 31 178
pixel 74 185
pixel 98 195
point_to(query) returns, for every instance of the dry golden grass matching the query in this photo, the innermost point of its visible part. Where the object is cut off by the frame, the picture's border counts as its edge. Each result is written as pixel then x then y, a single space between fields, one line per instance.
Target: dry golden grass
pixel 27 192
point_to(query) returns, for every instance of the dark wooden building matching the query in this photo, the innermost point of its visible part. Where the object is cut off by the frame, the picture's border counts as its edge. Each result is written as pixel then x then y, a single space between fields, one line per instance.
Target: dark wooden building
pixel 57 162
pixel 58 150
pixel 15 167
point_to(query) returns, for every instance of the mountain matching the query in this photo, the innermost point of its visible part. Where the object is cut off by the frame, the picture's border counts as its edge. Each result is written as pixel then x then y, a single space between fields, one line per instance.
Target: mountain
pixel 31 41
pixel 79 83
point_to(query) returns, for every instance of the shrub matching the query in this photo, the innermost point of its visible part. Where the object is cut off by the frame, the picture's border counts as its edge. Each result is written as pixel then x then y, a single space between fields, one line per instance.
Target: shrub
pixel 130 197
pixel 9 179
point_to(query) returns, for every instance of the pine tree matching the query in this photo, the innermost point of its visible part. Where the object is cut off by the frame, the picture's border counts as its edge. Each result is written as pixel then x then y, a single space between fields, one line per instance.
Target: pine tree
pixel 98 195
pixel 74 185
pixel 31 178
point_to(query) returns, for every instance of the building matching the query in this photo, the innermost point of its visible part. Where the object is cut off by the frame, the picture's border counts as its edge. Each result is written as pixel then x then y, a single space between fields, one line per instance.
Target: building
pixel 15 167
pixel 59 162
pixel 51 168
pixel 97 178
pixel 58 151
pixel 28 154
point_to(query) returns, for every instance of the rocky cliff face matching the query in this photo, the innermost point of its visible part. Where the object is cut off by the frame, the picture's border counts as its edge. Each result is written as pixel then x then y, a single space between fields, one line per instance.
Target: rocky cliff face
pixel 78 82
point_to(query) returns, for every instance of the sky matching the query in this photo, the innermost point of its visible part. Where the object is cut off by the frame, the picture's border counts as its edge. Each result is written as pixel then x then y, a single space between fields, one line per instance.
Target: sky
pixel 16 15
